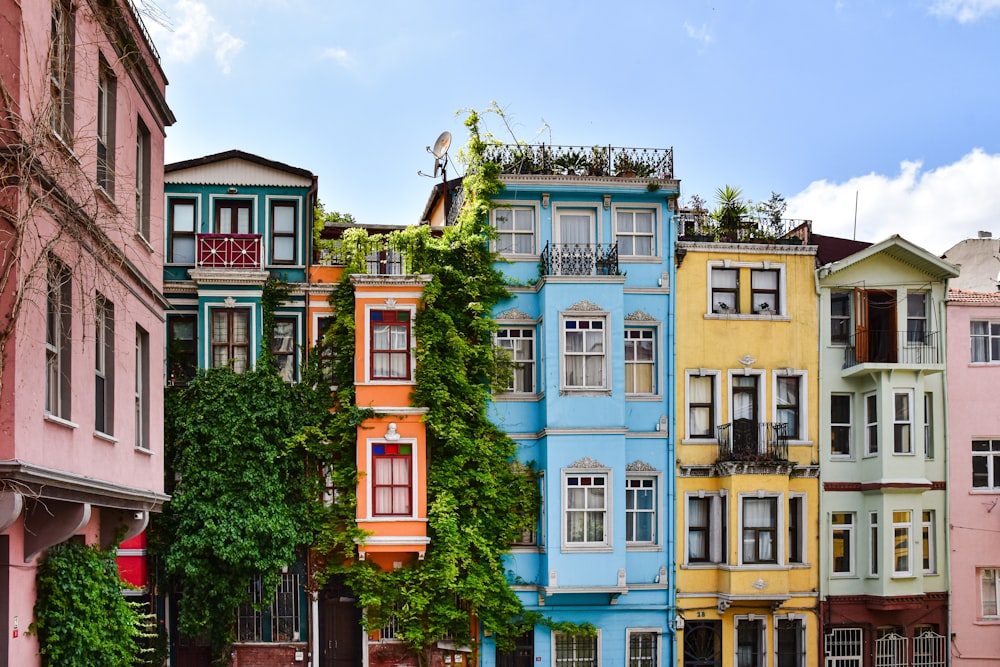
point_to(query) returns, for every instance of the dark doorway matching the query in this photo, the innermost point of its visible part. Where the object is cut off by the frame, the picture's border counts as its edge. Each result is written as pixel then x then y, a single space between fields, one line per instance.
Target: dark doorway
pixel 339 627
pixel 523 654
pixel 703 644
pixel 875 326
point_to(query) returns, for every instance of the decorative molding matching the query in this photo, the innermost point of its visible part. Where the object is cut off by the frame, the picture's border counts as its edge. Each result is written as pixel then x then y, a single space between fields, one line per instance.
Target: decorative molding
pixel 639 466
pixel 513 314
pixel 607 202
pixel 585 306
pixel 586 463
pixel 229 302
pixel 639 316
pixel 747 361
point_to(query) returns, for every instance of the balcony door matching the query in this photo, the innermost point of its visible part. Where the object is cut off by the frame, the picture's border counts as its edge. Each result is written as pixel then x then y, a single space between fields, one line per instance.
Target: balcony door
pixel 875 325
pixel 232 216
pixel 575 253
pixel 746 414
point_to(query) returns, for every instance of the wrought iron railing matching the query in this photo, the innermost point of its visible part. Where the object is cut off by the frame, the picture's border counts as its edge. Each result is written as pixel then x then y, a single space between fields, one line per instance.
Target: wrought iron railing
pixel 580 259
pixel 582 160
pixel 747 440
pixel 229 251
pixel 700 226
pixel 909 348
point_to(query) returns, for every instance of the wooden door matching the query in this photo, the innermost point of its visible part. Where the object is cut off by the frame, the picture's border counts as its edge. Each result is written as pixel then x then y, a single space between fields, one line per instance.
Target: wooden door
pixel 860 325
pixel 340 638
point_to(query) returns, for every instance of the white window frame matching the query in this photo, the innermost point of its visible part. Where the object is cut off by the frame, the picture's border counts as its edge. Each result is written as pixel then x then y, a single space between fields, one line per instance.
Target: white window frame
pixel 106 115
pixel 717 305
pixel 587 545
pixel 513 207
pixel 803 651
pixel 142 388
pixel 605 354
pixel 498 340
pixel 589 211
pixel 928 541
pixel 992 466
pixel 763 653
pixel 556 662
pixel 802 512
pixel 802 436
pixel 652 334
pixel 761 389
pixel 653 235
pixel 104 366
pixel 716 531
pixel 653 661
pixel 58 340
pixel 744 284
pixel 636 482
pixel 778 548
pixel 989 576
pixel 411 353
pixel 849 425
pixel 874 540
pixel 296 321
pixel 902 527
pixel 986 339
pixel 871 423
pixel 906 422
pixel 416 466
pixel 918 323
pixel 849 529
pixel 928 425
pixel 716 378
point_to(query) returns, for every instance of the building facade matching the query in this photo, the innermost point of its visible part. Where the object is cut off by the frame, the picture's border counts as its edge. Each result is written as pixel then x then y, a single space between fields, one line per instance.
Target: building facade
pixel 884 574
pixel 589 255
pixel 747 436
pixel 81 338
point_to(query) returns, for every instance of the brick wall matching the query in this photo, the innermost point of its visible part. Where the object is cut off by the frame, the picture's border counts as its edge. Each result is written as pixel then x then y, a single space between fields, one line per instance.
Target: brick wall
pixel 269 655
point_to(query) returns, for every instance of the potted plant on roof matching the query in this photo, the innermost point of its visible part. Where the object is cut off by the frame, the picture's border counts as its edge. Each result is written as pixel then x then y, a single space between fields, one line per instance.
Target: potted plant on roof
pixel 730 214
pixel 627 165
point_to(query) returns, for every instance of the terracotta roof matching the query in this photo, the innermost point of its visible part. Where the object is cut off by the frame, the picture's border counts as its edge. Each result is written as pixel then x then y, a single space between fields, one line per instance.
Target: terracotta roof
pixel 991 298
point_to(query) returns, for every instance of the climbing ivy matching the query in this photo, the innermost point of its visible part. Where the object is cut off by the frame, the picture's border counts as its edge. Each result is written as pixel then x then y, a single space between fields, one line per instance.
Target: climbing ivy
pixel 81 617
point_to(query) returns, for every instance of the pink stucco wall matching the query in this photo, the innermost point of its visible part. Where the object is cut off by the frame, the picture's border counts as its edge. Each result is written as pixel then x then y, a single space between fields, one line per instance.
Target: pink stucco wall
pixel 974 413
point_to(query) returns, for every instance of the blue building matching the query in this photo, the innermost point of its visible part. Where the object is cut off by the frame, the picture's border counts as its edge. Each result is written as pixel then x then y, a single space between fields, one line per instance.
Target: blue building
pixel 587 237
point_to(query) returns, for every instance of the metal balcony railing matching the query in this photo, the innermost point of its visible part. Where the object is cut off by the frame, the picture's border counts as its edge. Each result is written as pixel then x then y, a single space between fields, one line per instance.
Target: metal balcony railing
pixel 907 348
pixel 580 259
pixel 747 440
pixel 229 251
pixel 546 159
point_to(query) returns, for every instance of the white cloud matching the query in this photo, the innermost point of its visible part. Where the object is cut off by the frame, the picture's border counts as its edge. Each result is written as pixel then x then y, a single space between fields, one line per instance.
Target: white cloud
pixel 934 209
pixel 339 56
pixel 194 32
pixel 964 11
pixel 698 33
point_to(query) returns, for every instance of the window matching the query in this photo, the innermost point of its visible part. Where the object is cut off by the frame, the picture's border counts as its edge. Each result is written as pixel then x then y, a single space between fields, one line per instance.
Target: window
pixel 143 160
pixel 323 347
pixel 182 349
pixel 233 216
pixel 842 524
pixel 928 542
pixel 231 338
pixel 283 347
pixel 702 643
pixel 283 232
pixel 583 348
pixel 640 361
pixel 106 86
pixel 390 341
pixel 701 406
pixel 764 291
pixel 273 620
pixel 182 237
pixel 749 642
pixel 797 521
pixel 576 651
pixel 873 542
pixel 789 405
pixel 643 649
pixel 840 425
pixel 141 388
pixel 104 365
pixel 871 424
pixel 760 530
pixel 392 481
pixel 725 291
pixel 706 528
pixel 515 229
pixel 635 233
pixel 985 341
pixel 928 426
pixel 58 356
pixel 901 543
pixel 61 60
pixel 520 344
pixel 902 433
pixel 640 510
pixel 790 642
pixel 916 318
pixel 845 643
pixel 840 318
pixel 988 586
pixel 986 464
pixel 586 510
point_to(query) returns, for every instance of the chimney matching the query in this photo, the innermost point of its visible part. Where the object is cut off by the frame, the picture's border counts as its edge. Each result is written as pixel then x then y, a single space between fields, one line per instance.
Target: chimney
pixel 985 235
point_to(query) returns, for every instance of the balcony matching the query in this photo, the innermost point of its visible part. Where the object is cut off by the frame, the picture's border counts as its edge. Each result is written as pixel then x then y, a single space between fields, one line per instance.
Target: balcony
pixel 580 259
pixel 380 257
pixel 876 349
pixel 747 441
pixel 546 159
pixel 229 251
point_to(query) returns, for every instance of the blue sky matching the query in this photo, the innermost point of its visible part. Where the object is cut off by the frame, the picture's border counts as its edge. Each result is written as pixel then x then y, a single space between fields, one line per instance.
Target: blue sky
pixel 893 104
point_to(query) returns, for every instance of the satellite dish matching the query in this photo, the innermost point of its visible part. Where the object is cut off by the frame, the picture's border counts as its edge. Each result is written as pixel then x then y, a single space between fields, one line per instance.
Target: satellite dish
pixel 441 145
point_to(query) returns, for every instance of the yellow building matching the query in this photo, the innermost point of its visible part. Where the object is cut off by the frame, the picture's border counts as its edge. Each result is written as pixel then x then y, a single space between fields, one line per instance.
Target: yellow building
pixel 747 442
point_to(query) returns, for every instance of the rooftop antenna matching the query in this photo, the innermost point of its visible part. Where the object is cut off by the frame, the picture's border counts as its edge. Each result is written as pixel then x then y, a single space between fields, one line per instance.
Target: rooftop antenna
pixel 440 152
pixel 855 215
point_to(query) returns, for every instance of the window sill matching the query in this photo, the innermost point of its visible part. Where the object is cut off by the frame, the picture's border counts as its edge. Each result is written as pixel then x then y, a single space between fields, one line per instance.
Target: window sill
pixel 984 492
pixel 752 317
pixel 51 418
pixel 110 439
pixel 898 576
pixel 714 442
pixel 840 458
pixel 514 257
pixel 144 450
pixel 643 398
pixel 586 391
pixel 649 548
pixel 636 259
pixel 510 397
pixel 144 242
pixel 800 443
pixel 583 549
pixel 525 549
pixel 701 566
pixel 284 266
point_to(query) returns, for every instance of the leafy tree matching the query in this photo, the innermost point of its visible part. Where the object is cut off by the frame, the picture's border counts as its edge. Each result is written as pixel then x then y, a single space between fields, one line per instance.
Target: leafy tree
pixel 730 213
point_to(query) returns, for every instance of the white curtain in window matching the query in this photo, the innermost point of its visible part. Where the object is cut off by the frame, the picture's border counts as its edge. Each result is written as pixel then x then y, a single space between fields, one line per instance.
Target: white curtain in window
pixel 574 228
pixel 698 518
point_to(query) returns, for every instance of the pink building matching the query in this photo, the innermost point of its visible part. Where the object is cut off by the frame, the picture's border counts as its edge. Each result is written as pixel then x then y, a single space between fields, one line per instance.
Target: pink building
pixel 974 478
pixel 81 308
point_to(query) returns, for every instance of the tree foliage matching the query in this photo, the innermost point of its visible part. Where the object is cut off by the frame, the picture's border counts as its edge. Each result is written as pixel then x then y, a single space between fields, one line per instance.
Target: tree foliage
pixel 81 617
